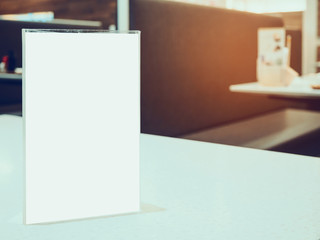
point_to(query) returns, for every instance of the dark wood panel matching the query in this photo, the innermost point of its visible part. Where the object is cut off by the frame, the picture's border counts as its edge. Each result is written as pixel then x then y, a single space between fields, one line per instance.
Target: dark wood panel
pixel 101 10
pixel 291 20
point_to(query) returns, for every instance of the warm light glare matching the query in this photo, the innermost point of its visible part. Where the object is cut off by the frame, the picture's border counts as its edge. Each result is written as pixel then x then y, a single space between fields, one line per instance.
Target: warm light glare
pixel 264 6
pixel 256 6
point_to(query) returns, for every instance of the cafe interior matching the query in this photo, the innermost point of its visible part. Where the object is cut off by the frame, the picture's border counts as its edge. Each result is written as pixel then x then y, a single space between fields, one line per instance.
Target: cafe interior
pixel 159 119
pixel 203 74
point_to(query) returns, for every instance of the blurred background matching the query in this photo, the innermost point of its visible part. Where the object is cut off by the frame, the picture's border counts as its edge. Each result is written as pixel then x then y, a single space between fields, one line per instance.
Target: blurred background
pixel 192 51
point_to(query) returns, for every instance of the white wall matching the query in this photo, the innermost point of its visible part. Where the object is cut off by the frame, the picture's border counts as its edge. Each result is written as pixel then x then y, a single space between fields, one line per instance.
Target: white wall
pixel 309 37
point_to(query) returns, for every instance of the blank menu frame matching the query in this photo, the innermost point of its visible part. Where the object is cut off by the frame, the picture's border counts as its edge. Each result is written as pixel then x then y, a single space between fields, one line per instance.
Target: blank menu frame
pixel 81 116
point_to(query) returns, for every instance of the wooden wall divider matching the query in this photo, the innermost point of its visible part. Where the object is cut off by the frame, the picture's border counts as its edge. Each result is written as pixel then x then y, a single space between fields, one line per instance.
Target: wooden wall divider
pixel 98 10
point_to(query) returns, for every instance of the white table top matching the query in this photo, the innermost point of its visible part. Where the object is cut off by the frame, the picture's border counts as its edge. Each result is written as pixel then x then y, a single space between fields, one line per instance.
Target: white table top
pixel 299 88
pixel 190 190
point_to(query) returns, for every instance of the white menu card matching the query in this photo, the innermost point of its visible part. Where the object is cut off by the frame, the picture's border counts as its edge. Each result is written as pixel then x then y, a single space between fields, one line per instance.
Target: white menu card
pixel 81 111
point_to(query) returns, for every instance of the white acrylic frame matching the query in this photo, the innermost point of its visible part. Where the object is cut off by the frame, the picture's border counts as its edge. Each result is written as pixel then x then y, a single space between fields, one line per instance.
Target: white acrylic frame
pixel 81 111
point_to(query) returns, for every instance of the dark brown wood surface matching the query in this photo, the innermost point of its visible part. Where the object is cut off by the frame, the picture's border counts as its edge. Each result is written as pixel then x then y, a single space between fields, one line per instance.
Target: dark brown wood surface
pixel 98 10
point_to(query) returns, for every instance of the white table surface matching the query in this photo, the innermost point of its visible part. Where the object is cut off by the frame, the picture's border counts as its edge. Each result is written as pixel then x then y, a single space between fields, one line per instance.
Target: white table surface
pixel 299 88
pixel 194 190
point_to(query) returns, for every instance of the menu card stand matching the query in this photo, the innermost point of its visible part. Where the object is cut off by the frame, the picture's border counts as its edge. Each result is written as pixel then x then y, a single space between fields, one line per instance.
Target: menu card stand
pixel 81 111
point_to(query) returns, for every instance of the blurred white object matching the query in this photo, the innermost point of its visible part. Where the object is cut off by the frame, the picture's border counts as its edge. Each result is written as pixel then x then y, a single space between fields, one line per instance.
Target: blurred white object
pixel 2 67
pixel 273 63
pixel 18 70
pixel 112 27
pixel 35 17
pixel 275 75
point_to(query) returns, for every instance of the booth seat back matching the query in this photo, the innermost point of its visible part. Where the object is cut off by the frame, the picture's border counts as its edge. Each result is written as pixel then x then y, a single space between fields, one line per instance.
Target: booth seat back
pixel 190 55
